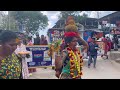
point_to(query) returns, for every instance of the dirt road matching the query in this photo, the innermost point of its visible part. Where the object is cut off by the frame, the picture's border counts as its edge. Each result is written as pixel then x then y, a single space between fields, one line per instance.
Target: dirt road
pixel 105 69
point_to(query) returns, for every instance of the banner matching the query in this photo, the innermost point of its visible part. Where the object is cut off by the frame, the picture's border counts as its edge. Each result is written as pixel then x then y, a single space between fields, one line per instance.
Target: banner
pixel 39 56
pixel 104 22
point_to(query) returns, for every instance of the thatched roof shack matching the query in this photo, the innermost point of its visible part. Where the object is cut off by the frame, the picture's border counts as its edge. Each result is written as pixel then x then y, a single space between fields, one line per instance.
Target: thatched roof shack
pixel 111 18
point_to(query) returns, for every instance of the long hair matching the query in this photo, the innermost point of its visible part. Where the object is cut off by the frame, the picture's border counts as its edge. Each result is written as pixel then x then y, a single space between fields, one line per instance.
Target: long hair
pixel 68 40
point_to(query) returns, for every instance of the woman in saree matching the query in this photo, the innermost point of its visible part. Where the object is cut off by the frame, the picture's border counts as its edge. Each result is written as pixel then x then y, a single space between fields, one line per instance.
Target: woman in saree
pixel 10 64
pixel 69 63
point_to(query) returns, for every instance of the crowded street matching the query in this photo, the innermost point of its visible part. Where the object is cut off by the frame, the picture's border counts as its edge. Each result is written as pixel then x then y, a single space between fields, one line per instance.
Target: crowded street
pixel 59 45
pixel 106 69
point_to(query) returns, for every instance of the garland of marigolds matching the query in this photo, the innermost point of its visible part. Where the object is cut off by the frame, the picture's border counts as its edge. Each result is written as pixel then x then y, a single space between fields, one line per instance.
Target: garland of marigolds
pixel 76 62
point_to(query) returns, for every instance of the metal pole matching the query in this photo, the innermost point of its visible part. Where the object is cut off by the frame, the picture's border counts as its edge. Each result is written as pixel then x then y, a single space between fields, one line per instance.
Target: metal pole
pixel 8 20
pixel 98 17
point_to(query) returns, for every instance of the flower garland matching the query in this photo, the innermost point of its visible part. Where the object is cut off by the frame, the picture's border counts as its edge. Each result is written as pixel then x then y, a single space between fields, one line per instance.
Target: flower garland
pixel 75 63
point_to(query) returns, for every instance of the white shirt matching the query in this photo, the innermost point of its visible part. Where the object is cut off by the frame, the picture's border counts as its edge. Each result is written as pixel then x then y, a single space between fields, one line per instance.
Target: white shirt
pixel 20 48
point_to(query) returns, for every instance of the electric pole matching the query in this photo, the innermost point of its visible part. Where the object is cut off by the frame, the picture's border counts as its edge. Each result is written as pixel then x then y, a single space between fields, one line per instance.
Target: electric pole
pixel 98 17
pixel 8 20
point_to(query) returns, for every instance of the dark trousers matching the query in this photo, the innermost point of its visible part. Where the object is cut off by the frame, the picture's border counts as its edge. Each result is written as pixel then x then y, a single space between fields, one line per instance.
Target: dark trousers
pixel 90 60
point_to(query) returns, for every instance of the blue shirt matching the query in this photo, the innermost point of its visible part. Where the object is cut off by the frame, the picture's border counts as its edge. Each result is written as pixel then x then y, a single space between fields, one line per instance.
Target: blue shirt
pixel 92 50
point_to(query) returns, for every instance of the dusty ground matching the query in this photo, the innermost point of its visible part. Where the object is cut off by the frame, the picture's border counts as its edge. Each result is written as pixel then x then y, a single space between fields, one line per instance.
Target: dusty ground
pixel 105 69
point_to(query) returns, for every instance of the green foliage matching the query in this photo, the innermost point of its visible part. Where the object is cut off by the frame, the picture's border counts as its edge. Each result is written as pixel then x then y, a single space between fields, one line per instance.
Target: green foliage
pixel 32 20
pixel 57 44
pixel 7 23
pixel 80 18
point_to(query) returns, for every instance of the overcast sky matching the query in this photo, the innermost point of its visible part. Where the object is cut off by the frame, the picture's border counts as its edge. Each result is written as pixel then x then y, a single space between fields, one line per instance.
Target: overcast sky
pixel 53 17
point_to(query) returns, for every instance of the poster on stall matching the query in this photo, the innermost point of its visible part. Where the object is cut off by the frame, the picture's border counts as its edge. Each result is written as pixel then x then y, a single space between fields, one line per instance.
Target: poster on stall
pixel 39 56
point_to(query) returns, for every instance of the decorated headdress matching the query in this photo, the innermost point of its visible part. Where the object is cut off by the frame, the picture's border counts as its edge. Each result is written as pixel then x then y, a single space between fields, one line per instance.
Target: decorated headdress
pixel 70 34
pixel 70 25
pixel 71 29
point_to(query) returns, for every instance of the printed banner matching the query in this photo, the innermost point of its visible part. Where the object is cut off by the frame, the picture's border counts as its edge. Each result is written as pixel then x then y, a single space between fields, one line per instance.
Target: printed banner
pixel 39 56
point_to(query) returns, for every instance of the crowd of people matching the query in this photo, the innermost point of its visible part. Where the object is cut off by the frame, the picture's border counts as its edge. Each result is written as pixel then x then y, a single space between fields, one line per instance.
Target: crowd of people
pixel 40 40
pixel 13 67
pixel 68 62
pixel 36 41
pixel 92 52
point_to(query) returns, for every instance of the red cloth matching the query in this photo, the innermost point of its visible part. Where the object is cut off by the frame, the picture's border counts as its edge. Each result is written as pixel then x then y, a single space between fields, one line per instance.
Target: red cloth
pixel 109 46
pixel 70 34
pixel 105 45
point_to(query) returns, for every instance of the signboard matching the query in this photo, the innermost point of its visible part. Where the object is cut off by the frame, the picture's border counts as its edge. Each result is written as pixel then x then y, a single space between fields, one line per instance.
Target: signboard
pixel 104 22
pixel 86 34
pixel 56 34
pixel 39 56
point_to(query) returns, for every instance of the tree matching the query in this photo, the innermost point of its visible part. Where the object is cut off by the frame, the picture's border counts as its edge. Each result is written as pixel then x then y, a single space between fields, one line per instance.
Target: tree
pixel 7 23
pixel 31 20
pixel 3 21
pixel 85 15
pixel 80 18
